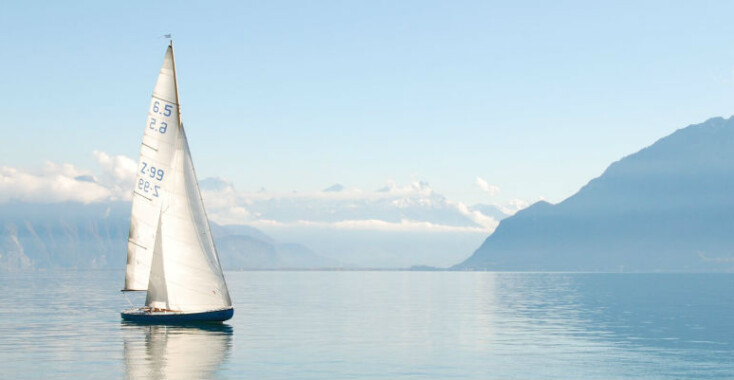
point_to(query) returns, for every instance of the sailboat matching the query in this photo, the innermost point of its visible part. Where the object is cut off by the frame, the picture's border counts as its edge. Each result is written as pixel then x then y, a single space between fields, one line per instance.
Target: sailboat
pixel 171 252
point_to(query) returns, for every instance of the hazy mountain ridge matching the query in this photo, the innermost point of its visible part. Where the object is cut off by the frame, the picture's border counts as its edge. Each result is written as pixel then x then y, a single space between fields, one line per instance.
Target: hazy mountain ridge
pixel 668 207
pixel 245 247
pixel 391 230
pixel 71 235
pixel 396 226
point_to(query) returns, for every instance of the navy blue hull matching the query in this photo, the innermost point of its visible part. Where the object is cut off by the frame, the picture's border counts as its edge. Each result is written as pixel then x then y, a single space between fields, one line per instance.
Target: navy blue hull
pixel 171 318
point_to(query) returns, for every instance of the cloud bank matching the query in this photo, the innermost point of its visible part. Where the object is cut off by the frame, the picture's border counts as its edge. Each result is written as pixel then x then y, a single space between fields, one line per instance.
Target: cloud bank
pixel 410 207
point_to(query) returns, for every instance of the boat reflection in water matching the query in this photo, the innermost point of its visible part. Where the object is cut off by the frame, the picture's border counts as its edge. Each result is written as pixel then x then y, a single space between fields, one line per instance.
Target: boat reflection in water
pixel 175 352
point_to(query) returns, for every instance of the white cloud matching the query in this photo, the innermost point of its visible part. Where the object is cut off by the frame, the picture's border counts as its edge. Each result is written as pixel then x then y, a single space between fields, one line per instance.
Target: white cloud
pixel 118 174
pixel 65 182
pixel 415 188
pixel 56 183
pixel 514 205
pixel 485 186
pixel 411 207
pixel 223 204
pixel 373 225
pixel 489 223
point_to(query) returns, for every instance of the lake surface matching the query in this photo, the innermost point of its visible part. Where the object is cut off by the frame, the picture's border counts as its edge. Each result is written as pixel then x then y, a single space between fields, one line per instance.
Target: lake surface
pixel 372 325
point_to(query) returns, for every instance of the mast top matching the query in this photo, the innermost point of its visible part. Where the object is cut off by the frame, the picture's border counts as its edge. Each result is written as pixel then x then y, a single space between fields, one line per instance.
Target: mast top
pixel 175 82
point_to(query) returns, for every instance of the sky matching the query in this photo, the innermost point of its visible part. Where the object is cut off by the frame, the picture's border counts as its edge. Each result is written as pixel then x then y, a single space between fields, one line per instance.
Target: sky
pixel 488 102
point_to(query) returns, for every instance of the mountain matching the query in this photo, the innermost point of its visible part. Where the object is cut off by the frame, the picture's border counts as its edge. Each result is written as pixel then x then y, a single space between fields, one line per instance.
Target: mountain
pixel 72 235
pixel 666 208
pixel 383 249
pixel 245 247
pixel 63 235
pixel 334 188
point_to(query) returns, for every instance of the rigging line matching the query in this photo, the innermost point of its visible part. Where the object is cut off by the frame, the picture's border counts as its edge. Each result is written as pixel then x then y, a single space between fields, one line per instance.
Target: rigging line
pixel 148 146
pixel 164 100
pixel 136 193
pixel 134 243
pixel 128 299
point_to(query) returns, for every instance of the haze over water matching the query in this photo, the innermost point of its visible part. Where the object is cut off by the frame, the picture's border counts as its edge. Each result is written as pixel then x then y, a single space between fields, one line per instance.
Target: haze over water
pixel 322 325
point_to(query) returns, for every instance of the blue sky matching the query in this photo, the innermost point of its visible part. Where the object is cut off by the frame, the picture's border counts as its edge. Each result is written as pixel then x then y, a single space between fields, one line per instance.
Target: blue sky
pixel 536 98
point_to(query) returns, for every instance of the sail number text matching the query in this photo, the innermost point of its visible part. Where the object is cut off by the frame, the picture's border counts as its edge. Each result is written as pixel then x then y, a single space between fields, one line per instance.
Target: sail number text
pixel 148 187
pixel 162 128
pixel 152 171
pixel 148 171
pixel 165 111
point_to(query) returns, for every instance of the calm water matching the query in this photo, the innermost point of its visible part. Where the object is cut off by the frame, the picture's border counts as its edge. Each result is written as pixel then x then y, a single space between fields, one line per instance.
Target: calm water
pixel 391 325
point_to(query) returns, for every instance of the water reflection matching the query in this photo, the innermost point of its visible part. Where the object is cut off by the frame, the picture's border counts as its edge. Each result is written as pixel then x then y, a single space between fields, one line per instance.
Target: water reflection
pixel 625 324
pixel 657 310
pixel 175 352
pixel 660 310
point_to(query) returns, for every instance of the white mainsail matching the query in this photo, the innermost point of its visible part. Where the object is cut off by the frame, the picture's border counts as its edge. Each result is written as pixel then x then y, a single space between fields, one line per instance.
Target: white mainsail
pixel 156 152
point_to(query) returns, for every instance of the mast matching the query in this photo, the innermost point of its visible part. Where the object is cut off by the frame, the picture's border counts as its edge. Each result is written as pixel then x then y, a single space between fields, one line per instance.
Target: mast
pixel 175 85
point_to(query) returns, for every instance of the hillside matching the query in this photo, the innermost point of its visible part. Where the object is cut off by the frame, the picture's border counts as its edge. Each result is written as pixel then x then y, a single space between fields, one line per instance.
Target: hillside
pixel 666 208
pixel 71 235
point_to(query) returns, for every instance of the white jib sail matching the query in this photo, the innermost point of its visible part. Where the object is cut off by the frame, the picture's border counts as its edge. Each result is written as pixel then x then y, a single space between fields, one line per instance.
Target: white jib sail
pixel 186 259
pixel 156 152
